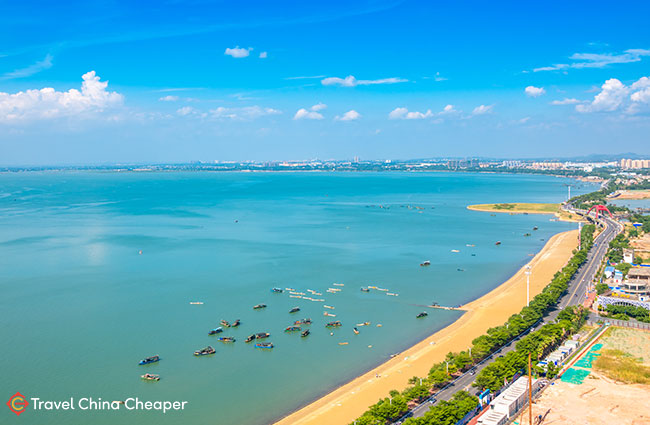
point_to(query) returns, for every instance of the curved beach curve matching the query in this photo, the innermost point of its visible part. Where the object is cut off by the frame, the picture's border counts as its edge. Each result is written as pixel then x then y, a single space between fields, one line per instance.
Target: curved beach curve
pixel 350 400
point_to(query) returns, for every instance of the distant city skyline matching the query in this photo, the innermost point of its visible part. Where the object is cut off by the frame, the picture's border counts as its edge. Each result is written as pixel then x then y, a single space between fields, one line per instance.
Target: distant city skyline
pixel 200 80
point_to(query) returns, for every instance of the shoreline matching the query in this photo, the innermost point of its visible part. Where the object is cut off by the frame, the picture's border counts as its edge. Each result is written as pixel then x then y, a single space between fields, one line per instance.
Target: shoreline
pixel 347 402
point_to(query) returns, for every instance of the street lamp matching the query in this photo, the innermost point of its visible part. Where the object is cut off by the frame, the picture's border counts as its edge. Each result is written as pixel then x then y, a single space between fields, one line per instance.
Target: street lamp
pixel 528 286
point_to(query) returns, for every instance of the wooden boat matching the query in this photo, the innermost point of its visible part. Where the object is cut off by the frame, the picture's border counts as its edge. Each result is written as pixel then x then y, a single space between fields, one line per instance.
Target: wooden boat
pixel 149 360
pixel 215 331
pixel 335 324
pixel 259 306
pixel 421 315
pixel 225 323
pixel 236 323
pixel 262 335
pixel 303 322
pixel 497 243
pixel 205 351
pixel 276 290
pixel 305 333
pixel 365 290
pixel 227 339
pixel 268 345
pixel 292 328
pixel 250 338
pixel 150 377
pixel 294 310
pixel 356 331
pixel 425 263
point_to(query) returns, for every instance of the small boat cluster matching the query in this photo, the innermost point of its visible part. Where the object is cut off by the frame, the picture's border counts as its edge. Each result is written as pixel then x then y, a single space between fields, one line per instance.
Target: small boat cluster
pixel 296 327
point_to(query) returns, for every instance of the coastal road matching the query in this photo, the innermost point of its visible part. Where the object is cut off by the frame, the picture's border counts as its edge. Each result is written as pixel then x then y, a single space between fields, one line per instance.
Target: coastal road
pixel 575 295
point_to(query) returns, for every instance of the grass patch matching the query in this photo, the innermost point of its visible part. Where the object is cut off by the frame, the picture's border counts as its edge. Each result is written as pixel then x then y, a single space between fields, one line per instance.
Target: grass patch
pixel 621 366
pixel 518 207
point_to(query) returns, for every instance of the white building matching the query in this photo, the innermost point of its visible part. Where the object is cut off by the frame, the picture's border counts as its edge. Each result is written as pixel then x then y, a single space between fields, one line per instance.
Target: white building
pixel 514 398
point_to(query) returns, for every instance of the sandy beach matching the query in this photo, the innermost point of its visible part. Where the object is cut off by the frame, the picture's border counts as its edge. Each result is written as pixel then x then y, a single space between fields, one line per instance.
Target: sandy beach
pixel 349 401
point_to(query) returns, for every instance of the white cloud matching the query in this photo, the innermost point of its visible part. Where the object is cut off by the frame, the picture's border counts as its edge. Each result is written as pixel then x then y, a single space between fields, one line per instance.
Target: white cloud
pixel 49 103
pixel 482 109
pixel 611 97
pixel 598 60
pixel 244 113
pixel 238 52
pixel 168 98
pixel 566 101
pixel 615 96
pixel 318 107
pixel 264 55
pixel 643 93
pixel 404 114
pixel 351 81
pixel 185 110
pixel 449 109
pixel 304 114
pixel 350 115
pixel 39 66
pixel 533 91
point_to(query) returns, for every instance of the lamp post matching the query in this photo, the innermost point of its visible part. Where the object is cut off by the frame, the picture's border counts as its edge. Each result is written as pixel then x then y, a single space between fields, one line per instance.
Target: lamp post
pixel 528 286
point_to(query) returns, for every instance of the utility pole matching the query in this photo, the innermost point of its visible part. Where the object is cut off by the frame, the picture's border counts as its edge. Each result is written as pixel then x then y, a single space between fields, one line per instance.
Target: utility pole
pixel 527 286
pixel 530 392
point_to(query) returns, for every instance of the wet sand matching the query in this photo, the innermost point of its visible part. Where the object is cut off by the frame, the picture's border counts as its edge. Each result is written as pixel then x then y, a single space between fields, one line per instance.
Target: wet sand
pixel 349 401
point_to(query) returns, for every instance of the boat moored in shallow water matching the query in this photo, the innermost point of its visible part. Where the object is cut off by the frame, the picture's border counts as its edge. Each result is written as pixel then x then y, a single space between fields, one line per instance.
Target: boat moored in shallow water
pixel 215 331
pixel 276 290
pixel 425 263
pixel 292 328
pixel 150 377
pixel 236 323
pixel 421 315
pixel 149 360
pixel 306 321
pixel 264 345
pixel 205 351
pixel 305 333
pixel 262 335
pixel 356 331
pixel 294 310
pixel 365 290
pixel 225 323
pixel 227 339
pixel 259 306
pixel 250 338
pixel 334 324
pixel 497 243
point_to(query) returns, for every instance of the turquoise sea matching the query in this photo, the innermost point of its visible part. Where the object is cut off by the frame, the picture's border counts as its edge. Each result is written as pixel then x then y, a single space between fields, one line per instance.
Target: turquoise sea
pixel 80 306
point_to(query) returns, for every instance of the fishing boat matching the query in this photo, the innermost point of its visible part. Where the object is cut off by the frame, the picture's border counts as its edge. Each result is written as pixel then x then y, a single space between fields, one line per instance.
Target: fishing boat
pixel 425 263
pixel 264 345
pixel 262 335
pixel 328 306
pixel 455 250
pixel 328 314
pixel 205 351
pixel 250 338
pixel 236 323
pixel 526 234
pixel 150 377
pixel 497 243
pixel 460 270
pixel 292 328
pixel 149 360
pixel 343 343
pixel 338 284
pixel 294 310
pixel 289 289
pixel 335 324
pixel 259 306
pixel 215 331
pixel 227 339
pixel 305 333
pixel 225 323
pixel 363 324
pixel 535 228
pixel 365 290
pixel 196 302
pixel 303 322
pixel 421 315
pixel 276 290
pixel 392 294
pixel 356 331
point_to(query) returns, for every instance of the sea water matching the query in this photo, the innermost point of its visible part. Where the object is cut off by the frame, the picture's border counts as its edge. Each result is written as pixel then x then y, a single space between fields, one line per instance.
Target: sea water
pixel 98 270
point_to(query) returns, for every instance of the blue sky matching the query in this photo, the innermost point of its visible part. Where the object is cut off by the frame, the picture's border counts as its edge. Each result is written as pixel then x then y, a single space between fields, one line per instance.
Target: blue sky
pixel 222 80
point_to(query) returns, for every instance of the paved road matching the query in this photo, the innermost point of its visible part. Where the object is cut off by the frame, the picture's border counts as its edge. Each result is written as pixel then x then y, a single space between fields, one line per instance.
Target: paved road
pixel 575 295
